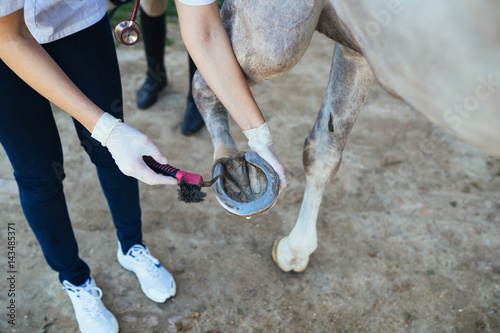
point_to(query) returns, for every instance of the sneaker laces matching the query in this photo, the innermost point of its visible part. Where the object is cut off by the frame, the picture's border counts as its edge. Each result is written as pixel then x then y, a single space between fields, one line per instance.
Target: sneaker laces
pixel 147 261
pixel 88 301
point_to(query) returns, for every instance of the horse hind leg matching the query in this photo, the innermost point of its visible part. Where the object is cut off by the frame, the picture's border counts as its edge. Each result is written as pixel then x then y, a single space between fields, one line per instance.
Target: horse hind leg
pixel 350 80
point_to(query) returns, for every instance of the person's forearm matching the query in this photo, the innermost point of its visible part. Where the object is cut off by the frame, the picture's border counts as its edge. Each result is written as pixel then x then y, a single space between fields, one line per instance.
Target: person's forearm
pixel 25 57
pixel 213 55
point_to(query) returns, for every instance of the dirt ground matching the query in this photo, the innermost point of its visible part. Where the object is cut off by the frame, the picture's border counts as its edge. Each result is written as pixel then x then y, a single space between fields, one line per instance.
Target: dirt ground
pixel 409 228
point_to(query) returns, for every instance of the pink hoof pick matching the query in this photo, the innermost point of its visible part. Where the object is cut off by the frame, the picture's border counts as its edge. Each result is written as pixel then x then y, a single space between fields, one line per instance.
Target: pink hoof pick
pixel 190 184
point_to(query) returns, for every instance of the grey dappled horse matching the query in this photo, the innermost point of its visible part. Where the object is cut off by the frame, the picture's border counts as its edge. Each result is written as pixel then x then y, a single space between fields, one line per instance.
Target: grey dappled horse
pixel 441 57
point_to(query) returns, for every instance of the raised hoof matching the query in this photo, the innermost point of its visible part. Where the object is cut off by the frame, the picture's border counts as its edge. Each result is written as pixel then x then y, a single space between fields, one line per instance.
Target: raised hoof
pixel 290 263
pixel 246 185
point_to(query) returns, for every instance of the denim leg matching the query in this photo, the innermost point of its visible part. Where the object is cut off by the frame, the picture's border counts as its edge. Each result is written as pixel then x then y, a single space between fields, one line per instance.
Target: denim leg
pixel 89 59
pixel 29 136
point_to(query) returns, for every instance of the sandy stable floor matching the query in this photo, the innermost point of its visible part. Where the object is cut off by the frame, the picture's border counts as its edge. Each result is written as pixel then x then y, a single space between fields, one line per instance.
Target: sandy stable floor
pixel 409 228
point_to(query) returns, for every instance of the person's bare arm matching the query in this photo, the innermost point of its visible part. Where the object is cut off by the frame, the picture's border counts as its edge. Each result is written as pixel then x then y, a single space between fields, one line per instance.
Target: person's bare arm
pixel 208 44
pixel 25 57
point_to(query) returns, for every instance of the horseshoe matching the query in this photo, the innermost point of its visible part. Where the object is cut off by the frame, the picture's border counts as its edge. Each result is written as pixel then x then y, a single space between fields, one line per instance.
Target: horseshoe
pixel 255 207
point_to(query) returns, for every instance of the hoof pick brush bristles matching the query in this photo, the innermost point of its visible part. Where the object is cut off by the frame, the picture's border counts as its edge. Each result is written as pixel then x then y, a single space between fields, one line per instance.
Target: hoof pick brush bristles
pixel 190 184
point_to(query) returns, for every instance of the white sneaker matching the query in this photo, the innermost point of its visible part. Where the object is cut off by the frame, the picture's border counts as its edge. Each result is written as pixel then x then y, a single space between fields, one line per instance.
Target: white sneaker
pixel 156 282
pixel 91 314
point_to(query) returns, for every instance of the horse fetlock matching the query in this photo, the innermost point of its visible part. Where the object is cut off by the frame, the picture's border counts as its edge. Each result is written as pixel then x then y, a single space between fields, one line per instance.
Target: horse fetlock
pixel 304 245
pixel 223 150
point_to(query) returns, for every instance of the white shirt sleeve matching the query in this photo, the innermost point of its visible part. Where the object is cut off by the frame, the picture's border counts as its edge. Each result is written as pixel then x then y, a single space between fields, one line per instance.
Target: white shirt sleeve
pixel 10 6
pixel 196 2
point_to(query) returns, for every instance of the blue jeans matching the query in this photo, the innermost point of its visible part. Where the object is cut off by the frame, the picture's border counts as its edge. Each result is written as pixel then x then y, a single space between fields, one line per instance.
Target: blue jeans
pixel 30 138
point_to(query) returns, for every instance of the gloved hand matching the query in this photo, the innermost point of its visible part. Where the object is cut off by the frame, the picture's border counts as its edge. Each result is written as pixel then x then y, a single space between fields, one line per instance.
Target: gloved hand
pixel 259 140
pixel 127 146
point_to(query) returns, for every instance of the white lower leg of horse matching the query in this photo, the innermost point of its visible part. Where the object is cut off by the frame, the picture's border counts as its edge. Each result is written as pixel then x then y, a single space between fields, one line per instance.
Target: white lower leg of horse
pixel 292 252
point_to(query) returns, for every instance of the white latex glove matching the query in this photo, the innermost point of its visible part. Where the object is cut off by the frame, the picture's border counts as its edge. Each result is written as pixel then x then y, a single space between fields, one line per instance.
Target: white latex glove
pixel 259 140
pixel 127 146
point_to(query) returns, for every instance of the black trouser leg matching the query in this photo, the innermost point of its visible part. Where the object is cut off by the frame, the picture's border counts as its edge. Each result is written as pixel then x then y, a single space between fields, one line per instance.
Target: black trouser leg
pixel 154 31
pixel 193 121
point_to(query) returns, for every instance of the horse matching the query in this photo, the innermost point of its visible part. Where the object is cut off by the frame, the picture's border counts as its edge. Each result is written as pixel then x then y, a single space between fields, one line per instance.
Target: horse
pixel 439 57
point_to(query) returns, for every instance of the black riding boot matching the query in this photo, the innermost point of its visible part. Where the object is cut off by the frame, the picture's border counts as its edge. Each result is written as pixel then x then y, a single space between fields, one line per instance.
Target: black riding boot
pixel 153 30
pixel 192 120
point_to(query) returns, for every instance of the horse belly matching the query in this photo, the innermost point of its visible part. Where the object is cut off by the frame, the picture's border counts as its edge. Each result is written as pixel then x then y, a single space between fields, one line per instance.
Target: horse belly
pixel 440 57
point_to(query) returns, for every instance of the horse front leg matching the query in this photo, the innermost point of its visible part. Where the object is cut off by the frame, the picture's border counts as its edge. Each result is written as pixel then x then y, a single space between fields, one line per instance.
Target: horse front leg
pixel 350 80
pixel 241 180
pixel 215 116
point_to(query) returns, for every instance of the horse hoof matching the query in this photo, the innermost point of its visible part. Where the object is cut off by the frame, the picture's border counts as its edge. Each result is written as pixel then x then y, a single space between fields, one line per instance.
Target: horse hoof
pixel 247 185
pixel 283 257
pixel 275 255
